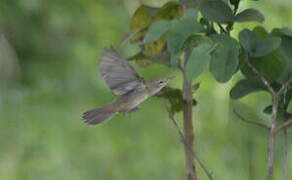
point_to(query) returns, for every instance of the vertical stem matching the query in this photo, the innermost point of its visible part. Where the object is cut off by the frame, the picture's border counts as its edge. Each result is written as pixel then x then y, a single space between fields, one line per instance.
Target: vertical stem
pixel 271 149
pixel 188 130
pixel 272 134
pixel 285 158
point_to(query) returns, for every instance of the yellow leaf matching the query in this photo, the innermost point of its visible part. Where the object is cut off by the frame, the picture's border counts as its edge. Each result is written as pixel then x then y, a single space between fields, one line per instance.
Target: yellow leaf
pixel 170 10
pixel 155 48
pixel 144 62
pixel 141 18
pixel 138 36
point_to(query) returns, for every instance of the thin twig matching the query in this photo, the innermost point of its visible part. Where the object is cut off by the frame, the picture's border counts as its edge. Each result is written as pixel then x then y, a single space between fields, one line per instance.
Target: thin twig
pixel 180 67
pixel 230 25
pixel 207 172
pixel 263 79
pixel 260 124
pixel 221 28
pixel 285 86
pixel 171 117
pixel 284 125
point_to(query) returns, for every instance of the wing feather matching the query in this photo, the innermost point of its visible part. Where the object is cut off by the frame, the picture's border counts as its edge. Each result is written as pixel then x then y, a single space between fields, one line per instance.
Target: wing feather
pixel 118 74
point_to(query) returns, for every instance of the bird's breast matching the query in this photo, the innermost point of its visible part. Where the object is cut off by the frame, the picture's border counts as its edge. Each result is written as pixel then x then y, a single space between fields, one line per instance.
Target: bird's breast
pixel 130 101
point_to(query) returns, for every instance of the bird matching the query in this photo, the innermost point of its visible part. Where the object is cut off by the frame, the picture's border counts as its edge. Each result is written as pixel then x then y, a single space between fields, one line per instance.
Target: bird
pixel 124 81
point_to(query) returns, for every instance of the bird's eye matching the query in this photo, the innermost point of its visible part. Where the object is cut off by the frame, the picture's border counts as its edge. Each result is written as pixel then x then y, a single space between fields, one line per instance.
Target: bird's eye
pixel 160 82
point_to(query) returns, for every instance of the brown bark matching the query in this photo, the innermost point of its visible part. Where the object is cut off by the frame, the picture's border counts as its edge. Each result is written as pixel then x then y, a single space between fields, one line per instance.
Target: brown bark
pixel 272 137
pixel 188 131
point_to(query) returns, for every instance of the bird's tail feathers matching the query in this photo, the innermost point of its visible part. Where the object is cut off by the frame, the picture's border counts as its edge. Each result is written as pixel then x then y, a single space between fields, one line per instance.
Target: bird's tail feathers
pixel 99 115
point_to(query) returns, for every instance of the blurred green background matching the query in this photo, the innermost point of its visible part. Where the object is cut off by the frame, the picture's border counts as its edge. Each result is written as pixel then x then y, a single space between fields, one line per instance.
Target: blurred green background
pixel 49 52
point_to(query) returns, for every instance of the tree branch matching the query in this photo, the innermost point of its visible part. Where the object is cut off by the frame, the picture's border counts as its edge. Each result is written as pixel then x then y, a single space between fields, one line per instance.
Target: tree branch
pixel 171 117
pixel 262 78
pixel 284 125
pixel 188 128
pixel 273 127
pixel 207 172
pixel 256 123
pixel 221 28
pixel 285 86
pixel 272 138
pixel 230 25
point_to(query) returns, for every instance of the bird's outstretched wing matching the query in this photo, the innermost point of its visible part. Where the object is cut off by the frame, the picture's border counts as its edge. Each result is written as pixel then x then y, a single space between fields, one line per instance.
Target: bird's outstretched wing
pixel 118 74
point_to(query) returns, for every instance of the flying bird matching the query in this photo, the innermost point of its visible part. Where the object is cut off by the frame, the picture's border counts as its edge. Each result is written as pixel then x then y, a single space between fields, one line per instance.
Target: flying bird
pixel 123 80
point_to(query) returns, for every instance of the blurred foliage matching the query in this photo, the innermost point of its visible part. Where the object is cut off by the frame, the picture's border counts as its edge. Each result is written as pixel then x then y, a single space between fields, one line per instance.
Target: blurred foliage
pixel 52 49
pixel 174 97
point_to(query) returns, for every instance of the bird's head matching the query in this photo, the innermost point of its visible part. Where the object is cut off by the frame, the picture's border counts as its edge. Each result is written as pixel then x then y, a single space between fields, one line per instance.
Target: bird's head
pixel 156 85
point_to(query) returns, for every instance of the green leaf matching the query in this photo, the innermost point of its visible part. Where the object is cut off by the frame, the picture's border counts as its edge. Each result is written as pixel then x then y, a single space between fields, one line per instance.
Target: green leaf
pixel 198 61
pixel 260 32
pixel 245 87
pixel 250 15
pixel 286 35
pixel 141 59
pixel 189 3
pixel 141 18
pixel 156 30
pixel 196 40
pixel 276 32
pixel 179 32
pixel 234 2
pixel 169 11
pixel 174 58
pixel 286 31
pixel 248 40
pixel 270 66
pixel 191 13
pixel 288 99
pixel 174 97
pixel 285 49
pixel 217 11
pixel 225 58
pixel 268 109
pixel 258 47
pixel 266 46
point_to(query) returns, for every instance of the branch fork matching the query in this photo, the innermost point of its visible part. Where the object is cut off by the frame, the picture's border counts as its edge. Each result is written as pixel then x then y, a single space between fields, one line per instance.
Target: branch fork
pixel 273 128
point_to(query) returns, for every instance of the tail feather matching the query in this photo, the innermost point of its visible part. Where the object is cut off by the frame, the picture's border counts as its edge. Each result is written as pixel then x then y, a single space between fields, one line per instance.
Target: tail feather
pixel 99 115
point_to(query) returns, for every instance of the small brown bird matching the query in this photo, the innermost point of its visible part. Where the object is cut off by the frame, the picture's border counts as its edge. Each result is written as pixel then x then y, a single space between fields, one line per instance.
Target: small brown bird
pixel 125 82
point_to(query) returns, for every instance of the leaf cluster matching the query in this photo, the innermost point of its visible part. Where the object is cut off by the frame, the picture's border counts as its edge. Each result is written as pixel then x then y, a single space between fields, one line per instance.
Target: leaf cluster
pixel 195 37
pixel 269 53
